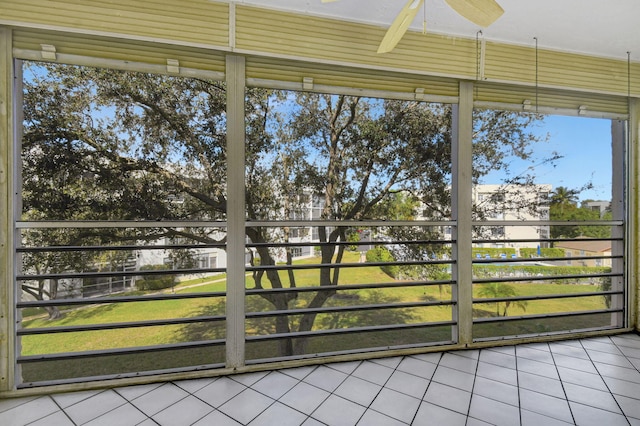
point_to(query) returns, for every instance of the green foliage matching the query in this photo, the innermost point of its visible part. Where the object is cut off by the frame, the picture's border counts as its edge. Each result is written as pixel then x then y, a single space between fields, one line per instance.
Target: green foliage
pixel 155 282
pixel 104 144
pixel 382 254
pixel 501 290
pixel 396 206
pixel 564 207
pixel 544 252
pixel 489 271
pixel 353 237
pixel 605 285
pixel 563 196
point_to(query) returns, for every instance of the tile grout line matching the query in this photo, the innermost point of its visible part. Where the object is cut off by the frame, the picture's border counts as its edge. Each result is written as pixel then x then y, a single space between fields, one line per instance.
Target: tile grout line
pixel 515 353
pixel 625 355
pixel 605 382
pixel 368 407
pixel 307 416
pixel 310 416
pixel 566 397
pixel 61 409
pixel 129 401
pixel 424 394
pixel 475 376
pixel 93 396
pixel 188 395
pixel 216 408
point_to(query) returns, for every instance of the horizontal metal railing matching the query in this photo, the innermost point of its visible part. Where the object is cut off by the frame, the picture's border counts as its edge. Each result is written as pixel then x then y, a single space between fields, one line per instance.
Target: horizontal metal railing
pixel 26 359
pixel 544 278
pixel 355 308
pixel 351 330
pixel 352 243
pixel 54 249
pixel 118 325
pixel 445 260
pixel 115 299
pixel 345 287
pixel 546 296
pixel 107 274
pixel 479 261
pixel 503 270
pixel 345 265
pixel 549 315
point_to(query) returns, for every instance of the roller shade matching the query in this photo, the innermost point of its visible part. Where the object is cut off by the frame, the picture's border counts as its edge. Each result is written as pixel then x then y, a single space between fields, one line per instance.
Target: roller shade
pixel 336 76
pixel 26 42
pixel 525 98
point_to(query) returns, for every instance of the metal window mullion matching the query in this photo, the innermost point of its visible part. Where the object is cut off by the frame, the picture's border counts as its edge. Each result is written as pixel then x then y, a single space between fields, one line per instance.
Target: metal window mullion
pixel 633 212
pixel 235 306
pixel 618 168
pixel 17 268
pixel 462 158
pixel 7 178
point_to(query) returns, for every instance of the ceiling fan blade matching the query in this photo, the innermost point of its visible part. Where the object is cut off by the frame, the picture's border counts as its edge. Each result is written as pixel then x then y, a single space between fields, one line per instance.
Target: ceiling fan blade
pixel 399 26
pixel 480 12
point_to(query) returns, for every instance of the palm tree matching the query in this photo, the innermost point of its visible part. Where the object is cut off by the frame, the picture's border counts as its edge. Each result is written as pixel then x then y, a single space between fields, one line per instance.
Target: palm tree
pixel 501 290
pixel 563 196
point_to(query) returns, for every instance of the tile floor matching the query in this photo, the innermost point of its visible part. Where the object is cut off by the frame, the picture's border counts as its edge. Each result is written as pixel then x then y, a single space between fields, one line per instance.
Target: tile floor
pixel 594 381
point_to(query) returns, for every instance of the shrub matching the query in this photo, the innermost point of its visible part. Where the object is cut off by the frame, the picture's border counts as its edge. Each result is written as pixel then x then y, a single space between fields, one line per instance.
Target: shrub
pixel 155 282
pixel 492 271
pixel 382 254
pixel 544 252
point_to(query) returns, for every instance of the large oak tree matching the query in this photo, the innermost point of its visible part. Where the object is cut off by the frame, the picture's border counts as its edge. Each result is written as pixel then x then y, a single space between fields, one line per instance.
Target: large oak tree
pixel 103 144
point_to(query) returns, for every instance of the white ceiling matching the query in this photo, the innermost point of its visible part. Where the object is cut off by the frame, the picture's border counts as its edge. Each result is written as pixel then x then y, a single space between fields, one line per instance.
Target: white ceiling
pixel 608 28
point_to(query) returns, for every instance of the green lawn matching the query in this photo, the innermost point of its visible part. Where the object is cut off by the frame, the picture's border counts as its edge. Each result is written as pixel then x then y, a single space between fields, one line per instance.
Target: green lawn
pixel 189 308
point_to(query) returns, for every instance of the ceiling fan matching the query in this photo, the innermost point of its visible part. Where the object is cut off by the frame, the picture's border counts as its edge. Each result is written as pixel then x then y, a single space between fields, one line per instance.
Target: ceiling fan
pixel 480 12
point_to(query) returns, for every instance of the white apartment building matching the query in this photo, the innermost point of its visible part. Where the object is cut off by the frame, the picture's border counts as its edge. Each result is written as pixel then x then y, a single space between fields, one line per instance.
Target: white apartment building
pixel 512 203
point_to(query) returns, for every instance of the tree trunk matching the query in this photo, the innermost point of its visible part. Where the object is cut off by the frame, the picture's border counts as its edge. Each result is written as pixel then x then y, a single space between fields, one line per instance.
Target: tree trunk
pixel 307 320
pixel 53 311
pixel 285 346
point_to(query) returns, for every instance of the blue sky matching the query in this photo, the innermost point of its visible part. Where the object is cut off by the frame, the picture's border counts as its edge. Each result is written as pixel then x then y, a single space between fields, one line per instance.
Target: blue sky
pixel 585 146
